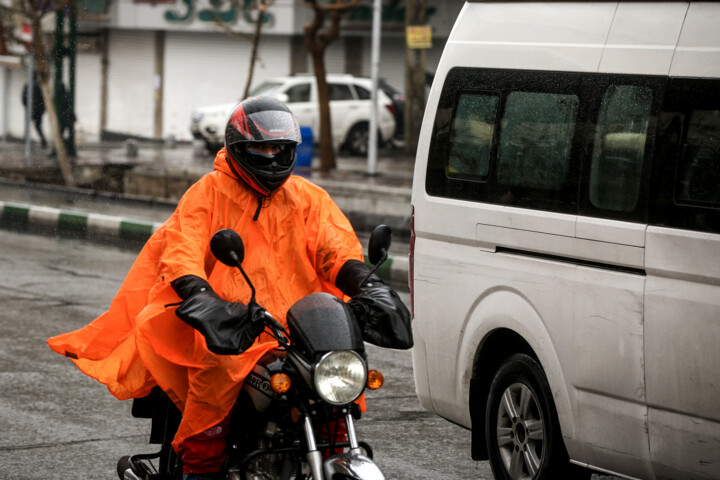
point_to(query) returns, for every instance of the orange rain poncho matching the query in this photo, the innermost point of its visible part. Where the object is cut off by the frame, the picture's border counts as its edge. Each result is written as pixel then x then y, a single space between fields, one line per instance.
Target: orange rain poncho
pixel 295 245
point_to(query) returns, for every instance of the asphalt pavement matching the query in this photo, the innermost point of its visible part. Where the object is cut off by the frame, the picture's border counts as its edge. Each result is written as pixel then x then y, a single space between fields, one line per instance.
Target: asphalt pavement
pixel 105 212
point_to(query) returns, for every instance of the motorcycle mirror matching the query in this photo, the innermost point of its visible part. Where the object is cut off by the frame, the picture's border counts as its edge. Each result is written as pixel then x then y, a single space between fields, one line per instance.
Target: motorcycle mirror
pixel 380 241
pixel 227 246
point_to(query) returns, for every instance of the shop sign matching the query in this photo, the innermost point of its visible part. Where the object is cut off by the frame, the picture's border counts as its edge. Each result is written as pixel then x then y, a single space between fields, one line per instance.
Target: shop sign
pixel 419 36
pixel 214 11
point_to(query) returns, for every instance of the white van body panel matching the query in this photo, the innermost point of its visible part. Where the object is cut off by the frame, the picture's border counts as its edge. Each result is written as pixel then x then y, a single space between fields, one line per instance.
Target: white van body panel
pixel 607 368
pixel 622 355
pixel 523 295
pixel 466 292
pixel 529 35
pixel 491 311
pixel 650 49
pixel 682 355
pixel 698 49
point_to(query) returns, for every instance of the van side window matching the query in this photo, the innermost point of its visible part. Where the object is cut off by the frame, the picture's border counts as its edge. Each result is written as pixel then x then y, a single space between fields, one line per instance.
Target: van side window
pixel 471 136
pixel 508 138
pixel 698 177
pixel 536 139
pixel 619 147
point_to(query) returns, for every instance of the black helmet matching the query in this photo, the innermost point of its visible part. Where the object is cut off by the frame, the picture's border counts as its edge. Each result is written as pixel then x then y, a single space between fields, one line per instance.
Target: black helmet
pixel 262 120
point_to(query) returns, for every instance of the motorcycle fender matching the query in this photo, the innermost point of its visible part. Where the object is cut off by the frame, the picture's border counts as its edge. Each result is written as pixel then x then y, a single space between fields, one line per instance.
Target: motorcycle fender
pixel 352 465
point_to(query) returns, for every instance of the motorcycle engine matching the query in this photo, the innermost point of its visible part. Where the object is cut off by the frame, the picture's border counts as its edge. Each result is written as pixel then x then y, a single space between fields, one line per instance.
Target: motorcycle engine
pixel 271 465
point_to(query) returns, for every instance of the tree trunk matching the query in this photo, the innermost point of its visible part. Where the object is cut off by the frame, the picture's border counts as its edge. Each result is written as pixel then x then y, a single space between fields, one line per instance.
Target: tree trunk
pixel 38 50
pixel 3 48
pixel 327 152
pixel 414 79
pixel 316 40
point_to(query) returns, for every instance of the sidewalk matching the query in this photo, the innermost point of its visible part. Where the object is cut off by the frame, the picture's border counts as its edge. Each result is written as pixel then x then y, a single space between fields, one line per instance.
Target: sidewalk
pixel 159 174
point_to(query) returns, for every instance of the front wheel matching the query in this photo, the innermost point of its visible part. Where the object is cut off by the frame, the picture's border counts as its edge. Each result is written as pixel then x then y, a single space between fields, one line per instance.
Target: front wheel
pixel 521 426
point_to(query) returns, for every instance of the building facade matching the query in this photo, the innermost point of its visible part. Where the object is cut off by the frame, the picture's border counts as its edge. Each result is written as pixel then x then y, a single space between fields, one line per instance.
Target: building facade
pixel 143 66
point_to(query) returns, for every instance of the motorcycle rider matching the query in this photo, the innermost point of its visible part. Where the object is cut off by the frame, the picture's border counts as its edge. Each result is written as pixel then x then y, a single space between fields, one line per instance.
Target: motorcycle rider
pixel 200 352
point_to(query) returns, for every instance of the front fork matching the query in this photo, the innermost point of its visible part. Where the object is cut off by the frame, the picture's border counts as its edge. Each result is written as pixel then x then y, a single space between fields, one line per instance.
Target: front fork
pixel 314 457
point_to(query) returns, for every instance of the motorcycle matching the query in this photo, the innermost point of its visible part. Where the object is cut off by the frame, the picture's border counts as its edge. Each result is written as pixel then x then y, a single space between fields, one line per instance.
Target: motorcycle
pixel 297 407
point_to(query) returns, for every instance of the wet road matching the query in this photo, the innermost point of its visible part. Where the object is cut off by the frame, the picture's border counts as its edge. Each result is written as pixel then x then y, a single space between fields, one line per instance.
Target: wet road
pixel 59 424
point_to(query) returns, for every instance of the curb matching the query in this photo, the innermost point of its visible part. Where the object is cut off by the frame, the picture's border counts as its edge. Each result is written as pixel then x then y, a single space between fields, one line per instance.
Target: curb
pixel 75 223
pixel 101 228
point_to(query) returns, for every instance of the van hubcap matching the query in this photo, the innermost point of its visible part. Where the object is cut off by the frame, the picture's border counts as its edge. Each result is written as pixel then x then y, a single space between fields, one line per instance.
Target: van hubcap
pixel 520 432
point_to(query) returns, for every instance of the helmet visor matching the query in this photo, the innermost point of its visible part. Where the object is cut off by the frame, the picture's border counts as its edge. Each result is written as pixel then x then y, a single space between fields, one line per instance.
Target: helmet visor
pixel 274 126
pixel 283 157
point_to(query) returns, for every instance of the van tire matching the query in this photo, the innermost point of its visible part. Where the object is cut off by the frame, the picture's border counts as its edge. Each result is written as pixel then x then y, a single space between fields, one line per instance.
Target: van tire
pixel 530 444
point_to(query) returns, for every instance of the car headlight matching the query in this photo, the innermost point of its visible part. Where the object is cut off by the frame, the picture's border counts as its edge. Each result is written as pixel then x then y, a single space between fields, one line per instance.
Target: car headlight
pixel 340 377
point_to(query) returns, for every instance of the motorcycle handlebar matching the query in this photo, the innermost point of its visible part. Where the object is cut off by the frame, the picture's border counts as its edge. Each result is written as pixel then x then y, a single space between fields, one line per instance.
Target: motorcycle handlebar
pixel 278 330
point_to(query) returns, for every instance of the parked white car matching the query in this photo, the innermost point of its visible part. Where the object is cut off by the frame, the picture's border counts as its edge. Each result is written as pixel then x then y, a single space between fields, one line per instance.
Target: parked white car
pixel 349 111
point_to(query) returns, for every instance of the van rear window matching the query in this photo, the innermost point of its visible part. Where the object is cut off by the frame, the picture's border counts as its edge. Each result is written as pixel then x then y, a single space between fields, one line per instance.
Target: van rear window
pixel 699 170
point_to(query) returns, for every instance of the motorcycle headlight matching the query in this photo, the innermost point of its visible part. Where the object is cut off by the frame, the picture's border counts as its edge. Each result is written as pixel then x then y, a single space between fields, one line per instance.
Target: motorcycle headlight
pixel 340 377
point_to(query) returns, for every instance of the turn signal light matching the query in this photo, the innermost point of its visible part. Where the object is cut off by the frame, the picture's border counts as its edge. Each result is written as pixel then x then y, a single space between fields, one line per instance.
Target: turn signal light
pixel 375 380
pixel 280 383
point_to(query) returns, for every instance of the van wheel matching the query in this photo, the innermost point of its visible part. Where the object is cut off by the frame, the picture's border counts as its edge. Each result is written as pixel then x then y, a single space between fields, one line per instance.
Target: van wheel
pixel 521 426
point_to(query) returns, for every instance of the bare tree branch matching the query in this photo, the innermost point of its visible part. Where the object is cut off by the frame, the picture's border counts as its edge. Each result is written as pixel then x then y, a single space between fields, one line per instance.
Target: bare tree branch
pixel 333 33
pixel 34 11
pixel 255 38
pixel 255 43
pixel 227 29
pixel 312 28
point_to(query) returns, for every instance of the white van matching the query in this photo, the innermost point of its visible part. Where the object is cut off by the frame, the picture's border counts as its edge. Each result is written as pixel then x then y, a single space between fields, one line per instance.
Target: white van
pixel 565 260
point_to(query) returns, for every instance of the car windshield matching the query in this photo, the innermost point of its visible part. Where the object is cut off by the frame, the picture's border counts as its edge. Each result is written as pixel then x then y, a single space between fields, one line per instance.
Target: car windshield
pixel 265 88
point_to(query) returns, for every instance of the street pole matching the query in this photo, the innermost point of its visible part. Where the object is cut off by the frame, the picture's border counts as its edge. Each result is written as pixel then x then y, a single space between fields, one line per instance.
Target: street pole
pixel 6 102
pixel 374 72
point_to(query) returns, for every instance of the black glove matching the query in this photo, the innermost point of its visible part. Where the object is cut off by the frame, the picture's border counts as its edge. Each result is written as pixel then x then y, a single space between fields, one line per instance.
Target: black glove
pixel 229 328
pixel 189 285
pixel 383 318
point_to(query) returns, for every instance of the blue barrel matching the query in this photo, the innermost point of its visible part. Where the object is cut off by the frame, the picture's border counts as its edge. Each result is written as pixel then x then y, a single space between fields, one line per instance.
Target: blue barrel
pixel 306 149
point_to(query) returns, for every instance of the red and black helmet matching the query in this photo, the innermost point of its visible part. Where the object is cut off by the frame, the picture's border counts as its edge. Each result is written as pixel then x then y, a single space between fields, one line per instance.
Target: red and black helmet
pixel 262 120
